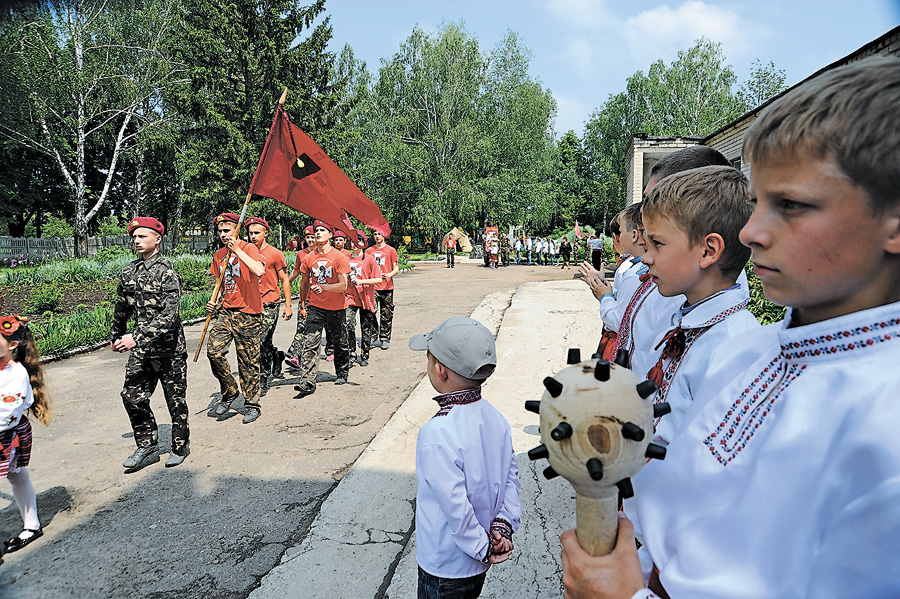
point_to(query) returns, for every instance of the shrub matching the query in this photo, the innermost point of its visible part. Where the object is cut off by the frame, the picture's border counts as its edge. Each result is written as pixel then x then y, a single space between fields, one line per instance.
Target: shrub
pixel 111 252
pixel 45 298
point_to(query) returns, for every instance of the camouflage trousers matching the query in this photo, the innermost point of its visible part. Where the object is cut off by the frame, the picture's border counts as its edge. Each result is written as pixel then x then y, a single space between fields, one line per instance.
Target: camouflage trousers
pixel 335 322
pixel 384 304
pixel 367 327
pixel 244 329
pixel 142 372
pixel 267 349
pixel 296 348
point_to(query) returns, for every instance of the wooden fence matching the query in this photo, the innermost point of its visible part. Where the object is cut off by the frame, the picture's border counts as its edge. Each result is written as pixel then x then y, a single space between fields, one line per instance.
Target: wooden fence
pixel 15 248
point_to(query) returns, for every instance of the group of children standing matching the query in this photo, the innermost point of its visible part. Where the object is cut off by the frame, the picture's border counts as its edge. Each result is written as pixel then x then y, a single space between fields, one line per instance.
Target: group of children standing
pixel 781 477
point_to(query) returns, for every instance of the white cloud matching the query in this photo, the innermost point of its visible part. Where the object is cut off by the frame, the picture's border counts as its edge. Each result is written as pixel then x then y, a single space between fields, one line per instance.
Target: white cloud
pixel 662 31
pixel 589 14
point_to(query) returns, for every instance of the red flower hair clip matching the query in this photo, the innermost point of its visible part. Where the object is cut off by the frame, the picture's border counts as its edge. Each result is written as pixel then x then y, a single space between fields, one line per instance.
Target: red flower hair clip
pixel 10 324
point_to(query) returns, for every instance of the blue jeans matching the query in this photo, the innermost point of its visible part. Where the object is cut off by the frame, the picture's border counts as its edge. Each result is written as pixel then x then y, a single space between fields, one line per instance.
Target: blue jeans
pixel 434 587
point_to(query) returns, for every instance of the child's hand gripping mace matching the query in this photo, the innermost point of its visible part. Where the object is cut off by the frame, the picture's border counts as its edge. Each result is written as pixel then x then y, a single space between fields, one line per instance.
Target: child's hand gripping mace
pixel 596 423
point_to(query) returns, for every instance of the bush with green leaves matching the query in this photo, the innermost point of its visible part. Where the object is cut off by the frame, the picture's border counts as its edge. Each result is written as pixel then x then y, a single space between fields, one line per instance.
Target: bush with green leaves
pixel 112 252
pixel 45 298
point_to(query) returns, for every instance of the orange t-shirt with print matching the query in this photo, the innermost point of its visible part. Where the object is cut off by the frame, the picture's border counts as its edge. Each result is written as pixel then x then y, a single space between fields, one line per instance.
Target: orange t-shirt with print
pixel 274 262
pixel 323 269
pixel 240 287
pixel 386 259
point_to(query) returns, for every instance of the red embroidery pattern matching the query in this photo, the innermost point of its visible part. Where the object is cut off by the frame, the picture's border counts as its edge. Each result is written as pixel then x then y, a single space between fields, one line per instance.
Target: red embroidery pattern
pixel 833 343
pixel 749 411
pixel 457 398
pixel 690 336
pixel 624 339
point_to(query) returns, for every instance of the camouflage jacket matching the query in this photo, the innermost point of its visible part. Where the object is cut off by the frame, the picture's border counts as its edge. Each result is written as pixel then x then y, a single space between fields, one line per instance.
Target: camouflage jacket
pixel 151 292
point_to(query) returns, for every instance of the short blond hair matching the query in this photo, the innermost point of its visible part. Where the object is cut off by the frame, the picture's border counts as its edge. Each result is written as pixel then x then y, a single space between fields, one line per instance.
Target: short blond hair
pixel 851 115
pixel 700 201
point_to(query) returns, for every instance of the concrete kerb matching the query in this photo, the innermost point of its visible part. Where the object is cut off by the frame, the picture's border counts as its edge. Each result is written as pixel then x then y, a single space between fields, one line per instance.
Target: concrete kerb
pixel 361 544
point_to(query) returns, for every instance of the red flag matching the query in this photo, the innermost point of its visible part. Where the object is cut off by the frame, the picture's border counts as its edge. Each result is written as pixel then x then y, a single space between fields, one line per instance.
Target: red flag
pixel 313 184
pixel 577 230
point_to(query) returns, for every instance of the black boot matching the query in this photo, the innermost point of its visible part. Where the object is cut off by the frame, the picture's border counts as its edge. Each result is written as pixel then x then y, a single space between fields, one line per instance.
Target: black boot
pixel 276 363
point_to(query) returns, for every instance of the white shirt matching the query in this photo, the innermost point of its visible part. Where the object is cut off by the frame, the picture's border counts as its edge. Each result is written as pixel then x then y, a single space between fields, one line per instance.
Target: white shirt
pixel 784 480
pixel 612 307
pixel 707 325
pixel 15 394
pixel 467 476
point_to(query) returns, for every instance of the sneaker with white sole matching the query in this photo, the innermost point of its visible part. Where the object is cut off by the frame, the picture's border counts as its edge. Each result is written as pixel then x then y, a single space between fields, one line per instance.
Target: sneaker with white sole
pixel 140 455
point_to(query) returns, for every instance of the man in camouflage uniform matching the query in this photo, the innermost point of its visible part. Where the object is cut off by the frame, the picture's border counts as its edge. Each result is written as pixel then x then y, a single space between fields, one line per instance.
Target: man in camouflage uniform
pixel 504 249
pixel 150 290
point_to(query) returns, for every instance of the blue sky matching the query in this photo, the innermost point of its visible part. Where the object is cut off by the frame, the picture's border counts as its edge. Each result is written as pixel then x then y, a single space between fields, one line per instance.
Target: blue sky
pixel 584 50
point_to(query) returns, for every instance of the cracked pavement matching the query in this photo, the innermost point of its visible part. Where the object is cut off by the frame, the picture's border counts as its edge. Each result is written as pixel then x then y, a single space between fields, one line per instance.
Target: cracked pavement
pixel 248 498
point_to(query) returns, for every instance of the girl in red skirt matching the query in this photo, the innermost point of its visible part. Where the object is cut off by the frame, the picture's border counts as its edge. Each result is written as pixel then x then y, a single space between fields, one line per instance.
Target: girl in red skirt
pixel 22 389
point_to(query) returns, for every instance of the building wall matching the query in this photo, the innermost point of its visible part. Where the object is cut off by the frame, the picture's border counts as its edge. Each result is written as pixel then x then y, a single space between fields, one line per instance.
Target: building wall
pixel 730 139
pixel 640 156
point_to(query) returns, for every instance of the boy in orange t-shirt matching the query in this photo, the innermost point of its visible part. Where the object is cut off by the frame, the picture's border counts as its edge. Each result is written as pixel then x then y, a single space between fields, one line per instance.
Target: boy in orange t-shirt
pixel 296 348
pixel 238 318
pixel 386 258
pixel 364 275
pixel 324 272
pixel 274 275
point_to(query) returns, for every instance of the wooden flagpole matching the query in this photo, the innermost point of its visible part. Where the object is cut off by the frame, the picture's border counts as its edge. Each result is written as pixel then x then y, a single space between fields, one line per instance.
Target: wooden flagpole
pixel 218 288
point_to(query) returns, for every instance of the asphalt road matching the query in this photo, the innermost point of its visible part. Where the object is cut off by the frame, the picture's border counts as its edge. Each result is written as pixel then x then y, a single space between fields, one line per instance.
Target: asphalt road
pixel 214 526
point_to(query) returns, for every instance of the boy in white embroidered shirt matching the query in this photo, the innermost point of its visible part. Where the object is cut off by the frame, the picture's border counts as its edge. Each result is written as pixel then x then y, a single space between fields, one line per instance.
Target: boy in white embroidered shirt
pixel 783 480
pixel 467 504
pixel 692 220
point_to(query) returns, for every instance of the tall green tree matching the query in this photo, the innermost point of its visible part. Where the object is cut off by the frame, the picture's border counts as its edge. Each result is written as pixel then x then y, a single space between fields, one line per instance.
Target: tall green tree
pixel 239 56
pixel 692 96
pixel 766 81
pixel 85 67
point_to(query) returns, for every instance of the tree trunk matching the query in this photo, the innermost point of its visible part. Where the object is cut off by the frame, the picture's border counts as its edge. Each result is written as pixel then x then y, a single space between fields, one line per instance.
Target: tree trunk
pixel 138 184
pixel 176 222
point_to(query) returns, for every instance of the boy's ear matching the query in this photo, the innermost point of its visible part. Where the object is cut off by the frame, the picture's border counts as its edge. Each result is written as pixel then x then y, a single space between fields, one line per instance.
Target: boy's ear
pixel 892 243
pixel 713 246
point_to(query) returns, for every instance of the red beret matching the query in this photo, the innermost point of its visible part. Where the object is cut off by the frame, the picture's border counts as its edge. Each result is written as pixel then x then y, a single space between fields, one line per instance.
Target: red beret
pixel 227 217
pixel 361 240
pixel 339 233
pixel 147 222
pixel 320 223
pixel 309 230
pixel 255 220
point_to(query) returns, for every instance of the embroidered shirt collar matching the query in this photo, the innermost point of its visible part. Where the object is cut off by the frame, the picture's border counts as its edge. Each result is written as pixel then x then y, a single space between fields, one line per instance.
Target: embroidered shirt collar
pixel 707 311
pixel 840 337
pixel 635 259
pixel 456 398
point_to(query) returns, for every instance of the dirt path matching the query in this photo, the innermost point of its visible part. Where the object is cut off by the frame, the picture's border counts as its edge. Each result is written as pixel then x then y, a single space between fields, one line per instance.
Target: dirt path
pixel 214 526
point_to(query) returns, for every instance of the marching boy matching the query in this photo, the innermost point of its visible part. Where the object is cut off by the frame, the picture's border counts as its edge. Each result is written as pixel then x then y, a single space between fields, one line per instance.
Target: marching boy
pixel 238 319
pixel 386 258
pixel 296 349
pixel 324 273
pixel 364 275
pixel 276 273
pixel 784 479
pixel 467 504
pixel 150 290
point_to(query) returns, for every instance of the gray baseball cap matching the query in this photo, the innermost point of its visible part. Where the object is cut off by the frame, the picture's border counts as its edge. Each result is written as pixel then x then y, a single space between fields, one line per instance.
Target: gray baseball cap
pixel 461 344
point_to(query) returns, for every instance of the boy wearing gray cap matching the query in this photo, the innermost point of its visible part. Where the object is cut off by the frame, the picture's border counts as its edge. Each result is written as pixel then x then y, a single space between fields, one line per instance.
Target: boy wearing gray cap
pixel 467 504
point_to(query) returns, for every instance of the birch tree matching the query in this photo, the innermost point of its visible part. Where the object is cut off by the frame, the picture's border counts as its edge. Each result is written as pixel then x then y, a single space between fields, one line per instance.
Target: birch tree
pixel 89 69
